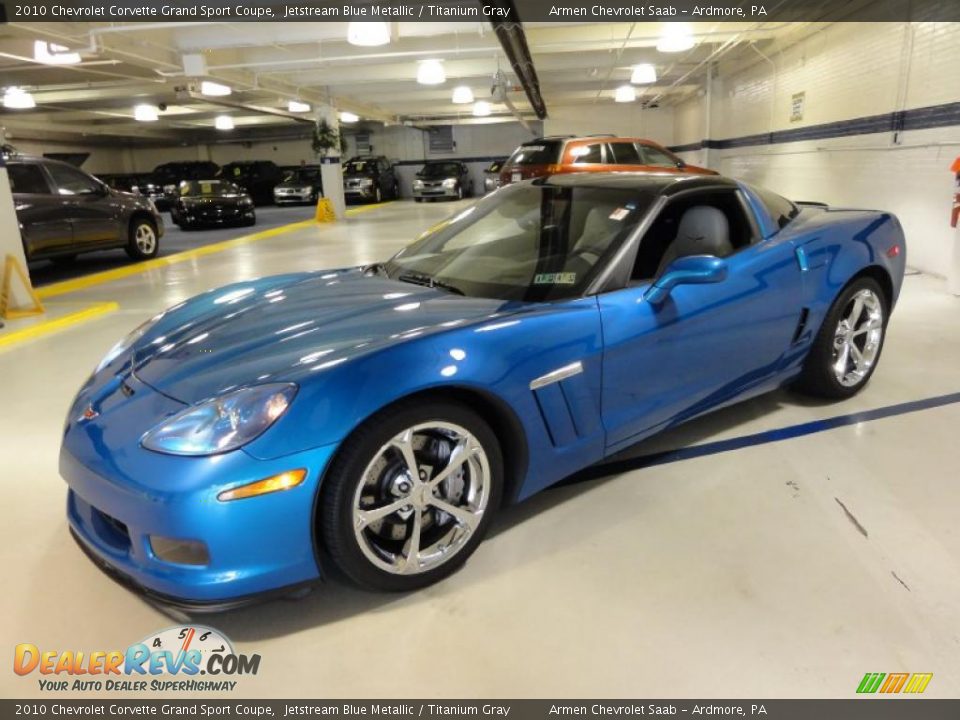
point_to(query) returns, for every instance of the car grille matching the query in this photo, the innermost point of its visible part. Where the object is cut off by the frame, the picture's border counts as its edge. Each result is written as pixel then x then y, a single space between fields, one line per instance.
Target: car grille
pixel 110 530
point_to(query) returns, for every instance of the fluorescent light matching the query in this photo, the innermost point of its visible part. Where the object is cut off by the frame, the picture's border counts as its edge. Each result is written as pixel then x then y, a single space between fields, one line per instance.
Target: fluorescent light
pixel 52 54
pixel 223 122
pixel 624 94
pixel 146 113
pixel 462 95
pixel 214 89
pixel 676 37
pixel 368 34
pixel 643 74
pixel 348 117
pixel 481 108
pixel 18 99
pixel 297 106
pixel 430 72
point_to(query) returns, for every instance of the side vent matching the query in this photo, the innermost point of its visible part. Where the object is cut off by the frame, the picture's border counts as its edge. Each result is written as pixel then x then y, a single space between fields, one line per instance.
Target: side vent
pixel 801 326
pixel 565 404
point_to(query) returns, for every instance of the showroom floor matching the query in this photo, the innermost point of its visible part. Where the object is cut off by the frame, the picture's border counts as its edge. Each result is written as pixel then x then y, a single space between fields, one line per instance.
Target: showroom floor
pixel 782 568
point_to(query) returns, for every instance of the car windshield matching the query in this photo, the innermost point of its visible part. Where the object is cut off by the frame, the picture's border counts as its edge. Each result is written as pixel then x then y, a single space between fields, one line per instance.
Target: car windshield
pixel 205 188
pixel 439 170
pixel 301 176
pixel 524 242
pixel 539 153
pixel 358 166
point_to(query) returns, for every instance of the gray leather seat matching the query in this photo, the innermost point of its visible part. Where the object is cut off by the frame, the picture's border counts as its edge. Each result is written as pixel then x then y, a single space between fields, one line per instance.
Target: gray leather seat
pixel 703 230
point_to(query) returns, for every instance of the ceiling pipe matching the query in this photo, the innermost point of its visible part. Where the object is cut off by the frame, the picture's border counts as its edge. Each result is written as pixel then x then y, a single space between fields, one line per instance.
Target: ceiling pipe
pixel 513 40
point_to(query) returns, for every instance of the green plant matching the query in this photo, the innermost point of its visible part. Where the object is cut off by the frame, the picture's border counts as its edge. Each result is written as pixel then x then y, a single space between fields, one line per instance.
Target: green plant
pixel 325 138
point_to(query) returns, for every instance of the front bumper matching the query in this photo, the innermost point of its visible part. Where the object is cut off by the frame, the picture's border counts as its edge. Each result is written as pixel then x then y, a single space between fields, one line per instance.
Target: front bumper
pixel 281 198
pixel 435 192
pixel 120 495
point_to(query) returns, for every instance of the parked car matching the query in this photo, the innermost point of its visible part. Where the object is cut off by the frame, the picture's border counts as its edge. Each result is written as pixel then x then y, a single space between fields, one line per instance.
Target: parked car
pixel 257 177
pixel 167 177
pixel 369 179
pixel 383 415
pixel 593 153
pixel 63 212
pixel 136 183
pixel 443 179
pixel 491 175
pixel 208 203
pixel 300 185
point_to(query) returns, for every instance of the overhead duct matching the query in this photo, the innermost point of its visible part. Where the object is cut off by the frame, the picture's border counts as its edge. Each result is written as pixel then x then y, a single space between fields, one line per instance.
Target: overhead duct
pixel 513 40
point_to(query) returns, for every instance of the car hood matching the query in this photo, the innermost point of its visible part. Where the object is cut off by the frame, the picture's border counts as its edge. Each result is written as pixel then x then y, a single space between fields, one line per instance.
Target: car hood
pixel 295 185
pixel 288 329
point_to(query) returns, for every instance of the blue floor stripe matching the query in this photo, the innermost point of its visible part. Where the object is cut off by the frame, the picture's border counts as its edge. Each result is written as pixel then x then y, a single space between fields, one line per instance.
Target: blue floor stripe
pixel 767 436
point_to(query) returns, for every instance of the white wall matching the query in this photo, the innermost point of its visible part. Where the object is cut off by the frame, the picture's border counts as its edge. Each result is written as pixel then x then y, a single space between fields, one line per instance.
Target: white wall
pixel 102 159
pixel 606 116
pixel 847 71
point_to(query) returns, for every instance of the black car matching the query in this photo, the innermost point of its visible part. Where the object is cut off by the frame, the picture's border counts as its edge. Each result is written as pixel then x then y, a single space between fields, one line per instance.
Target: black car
pixel 63 211
pixel 369 179
pixel 257 177
pixel 166 179
pixel 299 185
pixel 443 179
pixel 208 203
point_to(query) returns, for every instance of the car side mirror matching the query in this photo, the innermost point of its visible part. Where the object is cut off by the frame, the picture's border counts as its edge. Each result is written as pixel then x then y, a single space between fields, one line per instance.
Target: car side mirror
pixel 689 270
pixel 681 164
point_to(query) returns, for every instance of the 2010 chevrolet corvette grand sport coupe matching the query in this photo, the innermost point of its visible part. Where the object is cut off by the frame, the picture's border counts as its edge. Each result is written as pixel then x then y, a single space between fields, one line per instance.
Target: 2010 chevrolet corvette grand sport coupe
pixel 377 418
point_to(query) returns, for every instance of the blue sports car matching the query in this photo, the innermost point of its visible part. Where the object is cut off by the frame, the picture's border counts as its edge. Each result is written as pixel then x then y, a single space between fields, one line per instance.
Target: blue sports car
pixel 376 418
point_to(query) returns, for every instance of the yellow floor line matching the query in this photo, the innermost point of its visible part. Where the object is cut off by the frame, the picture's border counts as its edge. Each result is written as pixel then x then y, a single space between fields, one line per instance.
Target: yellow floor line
pixel 65 322
pixel 82 283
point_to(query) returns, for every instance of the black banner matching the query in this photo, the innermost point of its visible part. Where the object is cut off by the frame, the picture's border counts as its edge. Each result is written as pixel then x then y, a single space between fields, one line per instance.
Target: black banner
pixel 873 708
pixel 480 10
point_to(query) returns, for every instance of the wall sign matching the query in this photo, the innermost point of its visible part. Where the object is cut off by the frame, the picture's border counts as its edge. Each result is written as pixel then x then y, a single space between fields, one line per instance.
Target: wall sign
pixel 797 101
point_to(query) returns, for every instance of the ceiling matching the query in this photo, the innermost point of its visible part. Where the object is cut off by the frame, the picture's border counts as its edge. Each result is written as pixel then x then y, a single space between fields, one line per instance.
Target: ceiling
pixel 267 64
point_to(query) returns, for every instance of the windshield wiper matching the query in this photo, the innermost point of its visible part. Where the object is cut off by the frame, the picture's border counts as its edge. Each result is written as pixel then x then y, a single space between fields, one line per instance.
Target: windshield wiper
pixel 429 281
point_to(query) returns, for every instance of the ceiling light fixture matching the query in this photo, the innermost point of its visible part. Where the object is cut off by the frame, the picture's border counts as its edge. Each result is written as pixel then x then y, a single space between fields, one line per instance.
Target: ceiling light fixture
pixel 348 117
pixel 431 72
pixel 53 54
pixel 298 106
pixel 368 34
pixel 676 37
pixel 223 122
pixel 146 113
pixel 481 108
pixel 624 94
pixel 643 74
pixel 214 89
pixel 462 95
pixel 18 99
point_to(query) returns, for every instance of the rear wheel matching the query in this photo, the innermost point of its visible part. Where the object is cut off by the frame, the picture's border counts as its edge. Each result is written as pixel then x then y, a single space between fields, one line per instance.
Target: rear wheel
pixel 411 495
pixel 377 194
pixel 142 242
pixel 847 349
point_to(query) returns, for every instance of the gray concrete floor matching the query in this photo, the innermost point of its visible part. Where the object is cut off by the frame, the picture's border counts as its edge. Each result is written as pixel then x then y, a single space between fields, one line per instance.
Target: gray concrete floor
pixel 738 574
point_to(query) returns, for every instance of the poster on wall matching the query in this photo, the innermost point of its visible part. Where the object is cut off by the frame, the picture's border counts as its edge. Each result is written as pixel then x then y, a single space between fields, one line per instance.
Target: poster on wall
pixel 797 101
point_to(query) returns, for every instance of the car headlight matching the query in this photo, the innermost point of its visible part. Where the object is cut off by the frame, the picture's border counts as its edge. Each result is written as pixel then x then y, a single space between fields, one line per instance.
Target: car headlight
pixel 366 182
pixel 418 184
pixel 223 423
pixel 450 182
pixel 126 343
pixel 170 189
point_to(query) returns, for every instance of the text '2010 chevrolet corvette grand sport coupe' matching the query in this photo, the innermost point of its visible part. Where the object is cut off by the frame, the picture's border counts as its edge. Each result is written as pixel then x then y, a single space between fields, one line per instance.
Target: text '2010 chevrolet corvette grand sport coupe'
pixel 378 417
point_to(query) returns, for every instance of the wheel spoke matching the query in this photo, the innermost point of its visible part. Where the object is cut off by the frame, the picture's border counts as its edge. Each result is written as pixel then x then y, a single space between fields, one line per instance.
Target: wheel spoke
pixel 463 451
pixel 404 443
pixel 462 515
pixel 840 365
pixel 857 356
pixel 867 327
pixel 856 312
pixel 411 550
pixel 365 517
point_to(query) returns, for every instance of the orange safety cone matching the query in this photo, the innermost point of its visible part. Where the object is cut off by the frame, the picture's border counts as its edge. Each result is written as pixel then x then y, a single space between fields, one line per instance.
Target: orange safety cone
pixel 325 211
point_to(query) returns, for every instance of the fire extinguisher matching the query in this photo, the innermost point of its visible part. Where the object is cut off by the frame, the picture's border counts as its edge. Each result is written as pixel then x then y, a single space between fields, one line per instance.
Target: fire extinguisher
pixel 955 214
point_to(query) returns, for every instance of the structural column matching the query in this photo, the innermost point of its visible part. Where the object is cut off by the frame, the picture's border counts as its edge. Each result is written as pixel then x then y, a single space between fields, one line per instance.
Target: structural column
pixel 331 172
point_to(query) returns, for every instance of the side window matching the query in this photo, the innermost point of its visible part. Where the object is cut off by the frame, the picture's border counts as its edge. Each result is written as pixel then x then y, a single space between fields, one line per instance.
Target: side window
pixel 625 153
pixel 72 182
pixel 28 179
pixel 657 157
pixel 781 210
pixel 587 154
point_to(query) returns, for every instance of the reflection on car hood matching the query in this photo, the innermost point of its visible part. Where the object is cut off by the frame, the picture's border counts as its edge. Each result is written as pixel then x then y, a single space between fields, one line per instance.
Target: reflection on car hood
pixel 290 328
pixel 295 185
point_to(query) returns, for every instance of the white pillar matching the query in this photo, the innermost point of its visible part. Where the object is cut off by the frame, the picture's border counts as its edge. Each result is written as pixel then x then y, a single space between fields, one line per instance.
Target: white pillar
pixel 953 279
pixel 331 173
pixel 10 242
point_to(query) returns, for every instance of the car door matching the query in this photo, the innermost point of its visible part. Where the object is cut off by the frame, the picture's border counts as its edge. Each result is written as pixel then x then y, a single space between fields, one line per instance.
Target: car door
pixel 95 213
pixel 43 217
pixel 706 344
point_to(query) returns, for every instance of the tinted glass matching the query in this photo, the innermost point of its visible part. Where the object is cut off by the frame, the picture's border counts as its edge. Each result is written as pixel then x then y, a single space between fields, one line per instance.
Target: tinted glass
pixel 525 242
pixel 587 154
pixel 625 153
pixel 70 181
pixel 781 210
pixel 658 157
pixel 28 179
pixel 302 176
pixel 544 152
pixel 201 188
pixel 360 166
pixel 440 170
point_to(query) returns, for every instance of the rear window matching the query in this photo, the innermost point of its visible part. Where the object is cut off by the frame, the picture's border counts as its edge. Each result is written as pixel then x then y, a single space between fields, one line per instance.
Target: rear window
pixel 781 210
pixel 543 152
pixel 625 153
pixel 28 179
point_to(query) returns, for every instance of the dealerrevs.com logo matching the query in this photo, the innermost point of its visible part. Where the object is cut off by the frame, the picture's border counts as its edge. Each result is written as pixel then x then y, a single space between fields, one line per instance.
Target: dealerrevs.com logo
pixel 169 661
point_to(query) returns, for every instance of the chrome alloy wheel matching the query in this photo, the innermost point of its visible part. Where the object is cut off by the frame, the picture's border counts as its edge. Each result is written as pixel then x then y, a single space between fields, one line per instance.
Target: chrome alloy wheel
pixel 421 498
pixel 857 339
pixel 145 238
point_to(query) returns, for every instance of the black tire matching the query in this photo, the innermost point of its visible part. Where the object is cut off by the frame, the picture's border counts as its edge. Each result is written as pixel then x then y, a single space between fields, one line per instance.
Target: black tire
pixel 418 199
pixel 818 377
pixel 252 220
pixel 377 194
pixel 137 247
pixel 336 511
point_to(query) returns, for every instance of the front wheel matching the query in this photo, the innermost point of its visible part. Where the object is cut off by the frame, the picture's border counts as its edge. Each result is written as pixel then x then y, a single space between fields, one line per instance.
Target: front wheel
pixel 142 242
pixel 846 350
pixel 411 495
